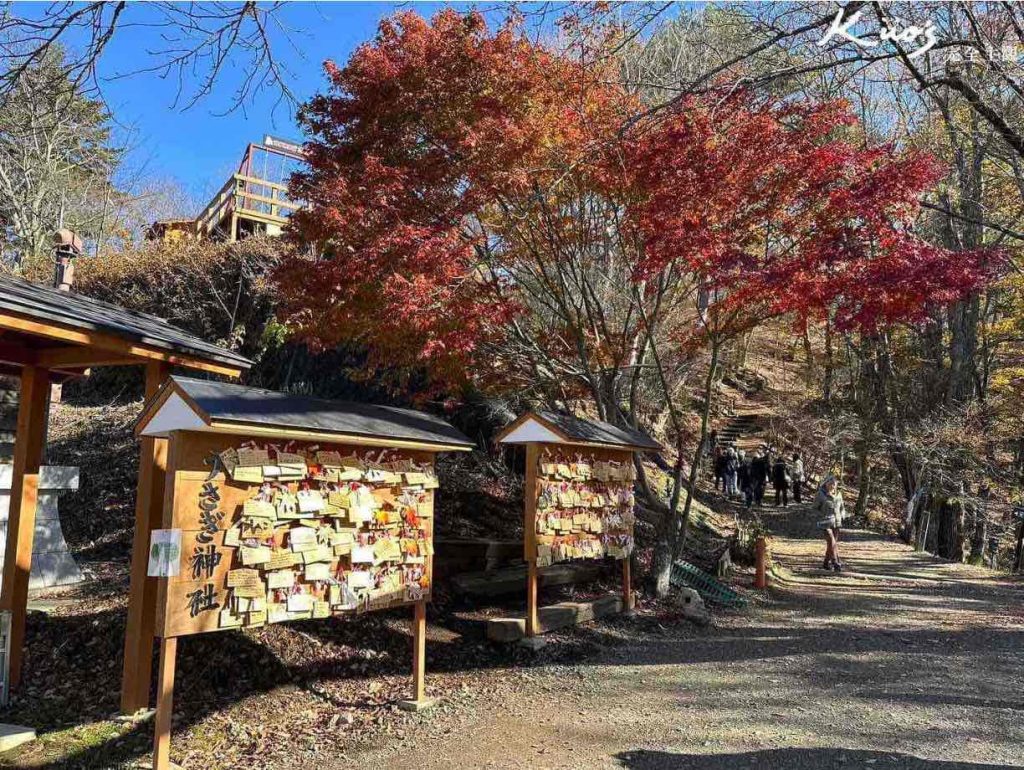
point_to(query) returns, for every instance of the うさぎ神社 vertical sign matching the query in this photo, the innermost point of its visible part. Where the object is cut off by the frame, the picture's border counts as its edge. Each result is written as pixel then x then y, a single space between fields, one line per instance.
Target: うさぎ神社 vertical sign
pixel 280 508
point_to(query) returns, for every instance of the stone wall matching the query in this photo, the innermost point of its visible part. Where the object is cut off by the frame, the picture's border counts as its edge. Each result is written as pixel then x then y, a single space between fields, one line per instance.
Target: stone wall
pixel 52 564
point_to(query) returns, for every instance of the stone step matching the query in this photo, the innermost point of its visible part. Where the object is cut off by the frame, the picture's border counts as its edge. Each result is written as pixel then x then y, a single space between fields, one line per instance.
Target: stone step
pixel 561 615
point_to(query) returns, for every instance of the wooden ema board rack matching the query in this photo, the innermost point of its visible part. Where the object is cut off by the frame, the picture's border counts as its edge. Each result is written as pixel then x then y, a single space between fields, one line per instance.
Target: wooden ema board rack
pixel 579 505
pixel 289 532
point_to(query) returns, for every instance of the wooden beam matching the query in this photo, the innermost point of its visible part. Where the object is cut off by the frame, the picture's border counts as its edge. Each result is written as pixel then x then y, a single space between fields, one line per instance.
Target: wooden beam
pixel 111 343
pixel 164 704
pixel 11 353
pixel 21 521
pixel 82 356
pixel 139 629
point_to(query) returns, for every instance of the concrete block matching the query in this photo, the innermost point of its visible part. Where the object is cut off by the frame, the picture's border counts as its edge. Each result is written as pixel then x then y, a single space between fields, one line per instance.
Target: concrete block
pixel 554 617
pixel 12 736
pixel 417 706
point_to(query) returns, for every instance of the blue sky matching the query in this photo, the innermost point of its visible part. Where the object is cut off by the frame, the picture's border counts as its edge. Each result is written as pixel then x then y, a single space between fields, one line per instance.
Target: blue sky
pixel 200 146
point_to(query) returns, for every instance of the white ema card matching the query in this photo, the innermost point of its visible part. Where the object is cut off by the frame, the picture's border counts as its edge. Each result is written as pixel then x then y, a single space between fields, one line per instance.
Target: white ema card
pixel 164 553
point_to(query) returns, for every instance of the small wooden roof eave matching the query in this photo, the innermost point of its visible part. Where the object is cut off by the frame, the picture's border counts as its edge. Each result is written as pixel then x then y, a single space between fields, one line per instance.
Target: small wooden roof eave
pixel 537 427
pixel 174 408
pixel 67 333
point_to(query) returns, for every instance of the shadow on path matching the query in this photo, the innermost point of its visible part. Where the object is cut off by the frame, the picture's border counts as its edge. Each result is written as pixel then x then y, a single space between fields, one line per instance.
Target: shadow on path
pixel 791 759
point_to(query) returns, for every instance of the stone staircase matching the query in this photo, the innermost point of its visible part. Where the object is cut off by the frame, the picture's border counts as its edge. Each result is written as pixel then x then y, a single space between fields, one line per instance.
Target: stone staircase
pixel 742 431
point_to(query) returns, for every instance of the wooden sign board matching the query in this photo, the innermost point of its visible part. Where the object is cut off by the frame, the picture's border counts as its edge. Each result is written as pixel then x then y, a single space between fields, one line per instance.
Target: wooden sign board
pixel 274 532
pixel 581 504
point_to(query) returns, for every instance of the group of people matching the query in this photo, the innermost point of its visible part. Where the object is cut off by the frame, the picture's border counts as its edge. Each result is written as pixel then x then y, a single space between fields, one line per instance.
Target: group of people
pixel 738 475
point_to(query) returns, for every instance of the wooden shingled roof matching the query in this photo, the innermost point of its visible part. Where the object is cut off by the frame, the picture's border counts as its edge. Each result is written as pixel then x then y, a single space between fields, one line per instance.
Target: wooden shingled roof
pixel 566 429
pixel 184 403
pixel 39 318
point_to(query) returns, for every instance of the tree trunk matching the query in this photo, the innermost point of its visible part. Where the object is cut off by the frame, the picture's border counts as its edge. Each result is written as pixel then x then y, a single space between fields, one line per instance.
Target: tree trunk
pixel 950 531
pixel 864 481
pixel 827 380
pixel 980 536
pixel 1018 552
pixel 672 537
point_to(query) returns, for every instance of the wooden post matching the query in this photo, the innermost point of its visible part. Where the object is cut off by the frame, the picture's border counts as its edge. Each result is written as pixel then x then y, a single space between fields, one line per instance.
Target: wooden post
pixel 627 586
pixel 139 631
pixel 21 520
pixel 761 563
pixel 531 599
pixel 530 538
pixel 164 704
pixel 419 650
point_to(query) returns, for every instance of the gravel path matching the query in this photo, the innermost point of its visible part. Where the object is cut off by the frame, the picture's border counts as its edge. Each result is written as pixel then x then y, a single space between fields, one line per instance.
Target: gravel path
pixel 903 661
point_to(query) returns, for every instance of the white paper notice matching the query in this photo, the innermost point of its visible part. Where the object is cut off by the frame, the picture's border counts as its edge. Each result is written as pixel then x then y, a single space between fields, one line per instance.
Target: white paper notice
pixel 164 553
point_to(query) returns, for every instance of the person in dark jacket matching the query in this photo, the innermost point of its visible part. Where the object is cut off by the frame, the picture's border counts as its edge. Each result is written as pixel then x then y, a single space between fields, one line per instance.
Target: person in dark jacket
pixel 731 466
pixel 744 479
pixel 781 480
pixel 719 465
pixel 759 471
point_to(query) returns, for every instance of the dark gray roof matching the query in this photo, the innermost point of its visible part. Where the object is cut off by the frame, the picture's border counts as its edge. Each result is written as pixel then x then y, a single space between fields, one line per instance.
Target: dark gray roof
pixel 43 303
pixel 227 402
pixel 597 432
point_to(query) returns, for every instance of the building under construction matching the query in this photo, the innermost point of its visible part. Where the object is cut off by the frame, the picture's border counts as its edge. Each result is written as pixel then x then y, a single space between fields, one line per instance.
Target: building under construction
pixel 253 201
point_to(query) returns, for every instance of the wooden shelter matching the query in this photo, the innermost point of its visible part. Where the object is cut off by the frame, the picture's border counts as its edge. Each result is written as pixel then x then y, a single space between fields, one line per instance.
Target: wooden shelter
pixel 282 508
pixel 48 335
pixel 578 494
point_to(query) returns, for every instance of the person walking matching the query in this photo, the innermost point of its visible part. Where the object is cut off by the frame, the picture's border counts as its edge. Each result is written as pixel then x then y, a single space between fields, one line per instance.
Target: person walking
pixel 829 505
pixel 798 477
pixel 730 472
pixel 780 480
pixel 719 466
pixel 744 478
pixel 759 471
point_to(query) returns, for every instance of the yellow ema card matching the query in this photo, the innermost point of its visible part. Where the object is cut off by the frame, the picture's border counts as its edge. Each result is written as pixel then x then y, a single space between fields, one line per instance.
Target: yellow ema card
pixel 386 549
pixel 255 554
pixel 248 474
pixel 283 560
pixel 310 501
pixel 259 509
pixel 318 571
pixel 243 577
pixel 277 613
pixel 302 539
pixel 415 479
pixel 341 499
pixel 251 456
pixel 282 579
pixel 228 619
pixel 233 537
pixel 324 457
pixel 250 592
pixel 300 603
pixel 288 506
pixel 362 554
pixel 320 553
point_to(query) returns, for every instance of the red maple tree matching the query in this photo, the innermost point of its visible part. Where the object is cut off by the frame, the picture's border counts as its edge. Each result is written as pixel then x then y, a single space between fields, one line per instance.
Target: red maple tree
pixel 486 209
